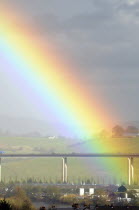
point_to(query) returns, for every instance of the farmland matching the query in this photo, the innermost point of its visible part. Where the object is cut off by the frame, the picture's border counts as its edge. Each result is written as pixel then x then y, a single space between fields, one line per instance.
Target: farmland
pixel 78 168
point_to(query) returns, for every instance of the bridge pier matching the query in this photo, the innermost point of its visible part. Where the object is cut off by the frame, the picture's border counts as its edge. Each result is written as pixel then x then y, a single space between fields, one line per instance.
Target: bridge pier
pixel 130 171
pixel 64 170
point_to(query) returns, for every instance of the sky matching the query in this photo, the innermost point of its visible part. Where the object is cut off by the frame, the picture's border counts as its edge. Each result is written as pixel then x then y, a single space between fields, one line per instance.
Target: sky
pixel 99 37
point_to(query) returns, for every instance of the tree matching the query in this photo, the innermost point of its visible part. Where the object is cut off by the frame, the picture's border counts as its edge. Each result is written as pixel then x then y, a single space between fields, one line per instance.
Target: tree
pixel 99 201
pixel 132 194
pixel 21 201
pixel 117 131
pixel 4 205
pixel 104 134
pixel 20 193
pixel 88 181
pixel 27 205
pixel 132 129
pixel 112 196
pixel 70 198
pixel 53 193
pixel 101 193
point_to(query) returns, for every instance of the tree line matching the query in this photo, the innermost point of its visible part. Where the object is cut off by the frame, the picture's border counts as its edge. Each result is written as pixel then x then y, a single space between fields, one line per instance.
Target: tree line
pixel 119 131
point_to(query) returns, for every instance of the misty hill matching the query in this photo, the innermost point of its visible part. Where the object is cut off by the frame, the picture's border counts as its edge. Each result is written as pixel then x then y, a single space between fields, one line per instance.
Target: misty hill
pixel 34 127
pixel 12 125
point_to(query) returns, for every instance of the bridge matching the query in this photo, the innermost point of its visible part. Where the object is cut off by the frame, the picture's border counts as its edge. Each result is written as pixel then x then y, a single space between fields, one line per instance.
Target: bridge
pixel 64 156
pixel 126 155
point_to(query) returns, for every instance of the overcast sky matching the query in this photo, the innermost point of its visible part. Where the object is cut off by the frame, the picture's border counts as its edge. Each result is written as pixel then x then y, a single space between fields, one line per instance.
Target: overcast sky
pixel 101 37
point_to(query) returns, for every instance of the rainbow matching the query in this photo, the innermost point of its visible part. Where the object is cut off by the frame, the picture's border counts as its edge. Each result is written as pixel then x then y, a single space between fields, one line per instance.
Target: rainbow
pixel 48 83
pixel 51 79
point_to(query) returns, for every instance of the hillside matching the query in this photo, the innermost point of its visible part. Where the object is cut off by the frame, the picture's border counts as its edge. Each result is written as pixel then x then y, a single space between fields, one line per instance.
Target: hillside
pixel 78 168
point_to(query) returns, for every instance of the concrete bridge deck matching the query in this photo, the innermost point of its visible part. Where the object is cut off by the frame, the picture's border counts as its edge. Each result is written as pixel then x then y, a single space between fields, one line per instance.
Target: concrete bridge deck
pixel 107 155
pixel 65 156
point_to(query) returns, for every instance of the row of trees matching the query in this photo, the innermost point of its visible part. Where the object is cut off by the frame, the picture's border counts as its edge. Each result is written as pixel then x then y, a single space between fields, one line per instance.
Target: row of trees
pixel 74 180
pixel 119 131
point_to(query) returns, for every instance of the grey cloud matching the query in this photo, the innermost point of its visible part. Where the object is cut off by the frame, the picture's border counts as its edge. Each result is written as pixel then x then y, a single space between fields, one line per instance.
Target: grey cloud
pixel 47 23
pixel 100 37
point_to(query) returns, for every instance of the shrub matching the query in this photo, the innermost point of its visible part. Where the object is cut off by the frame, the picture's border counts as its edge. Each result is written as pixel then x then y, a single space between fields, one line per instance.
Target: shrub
pixel 4 205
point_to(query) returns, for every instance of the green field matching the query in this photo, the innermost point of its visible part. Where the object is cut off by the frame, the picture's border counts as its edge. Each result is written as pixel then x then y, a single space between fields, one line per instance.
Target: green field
pixel 98 169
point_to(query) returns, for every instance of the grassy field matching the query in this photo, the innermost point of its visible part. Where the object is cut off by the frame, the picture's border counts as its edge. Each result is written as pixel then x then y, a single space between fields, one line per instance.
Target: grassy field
pixel 98 169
